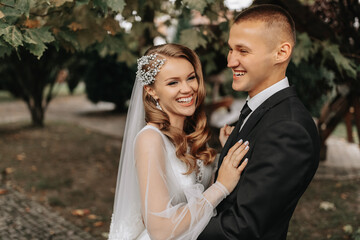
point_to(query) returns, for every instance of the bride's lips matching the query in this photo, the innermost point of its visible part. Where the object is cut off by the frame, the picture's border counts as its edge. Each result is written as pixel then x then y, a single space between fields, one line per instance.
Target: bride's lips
pixel 186 101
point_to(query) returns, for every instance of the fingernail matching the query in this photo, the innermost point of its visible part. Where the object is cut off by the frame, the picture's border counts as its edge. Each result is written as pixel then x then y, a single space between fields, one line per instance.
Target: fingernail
pixel 246 143
pixel 247 147
pixel 240 141
pixel 246 160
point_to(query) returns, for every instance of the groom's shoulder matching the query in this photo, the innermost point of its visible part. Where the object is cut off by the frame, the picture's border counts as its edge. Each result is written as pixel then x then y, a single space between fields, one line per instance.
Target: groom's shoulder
pixel 293 110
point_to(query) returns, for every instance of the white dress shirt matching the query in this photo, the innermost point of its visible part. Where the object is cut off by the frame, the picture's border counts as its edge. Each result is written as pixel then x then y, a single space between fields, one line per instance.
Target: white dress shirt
pixel 261 97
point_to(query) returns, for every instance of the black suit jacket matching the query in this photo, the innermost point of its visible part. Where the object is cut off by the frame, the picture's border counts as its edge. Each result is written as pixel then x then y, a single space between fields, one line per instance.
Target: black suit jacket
pixel 283 158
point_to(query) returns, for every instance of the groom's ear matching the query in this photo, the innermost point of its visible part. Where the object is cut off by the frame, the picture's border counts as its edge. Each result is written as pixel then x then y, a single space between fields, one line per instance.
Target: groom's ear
pixel 150 90
pixel 283 53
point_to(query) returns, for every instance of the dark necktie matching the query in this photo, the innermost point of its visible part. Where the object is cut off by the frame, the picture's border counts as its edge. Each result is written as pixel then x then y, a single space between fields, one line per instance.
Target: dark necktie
pixel 245 111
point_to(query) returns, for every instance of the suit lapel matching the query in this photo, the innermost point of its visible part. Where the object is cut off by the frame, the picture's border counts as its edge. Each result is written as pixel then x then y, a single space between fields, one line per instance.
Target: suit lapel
pixel 254 118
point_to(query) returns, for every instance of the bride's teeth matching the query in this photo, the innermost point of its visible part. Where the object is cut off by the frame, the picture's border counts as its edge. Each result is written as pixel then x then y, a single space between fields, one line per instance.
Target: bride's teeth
pixel 185 100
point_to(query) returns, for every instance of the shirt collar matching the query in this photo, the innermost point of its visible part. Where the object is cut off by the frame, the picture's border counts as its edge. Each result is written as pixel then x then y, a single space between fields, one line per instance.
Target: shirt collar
pixel 261 97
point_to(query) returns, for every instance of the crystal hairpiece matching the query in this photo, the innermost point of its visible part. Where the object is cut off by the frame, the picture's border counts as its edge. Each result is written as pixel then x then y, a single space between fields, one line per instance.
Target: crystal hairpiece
pixel 147 76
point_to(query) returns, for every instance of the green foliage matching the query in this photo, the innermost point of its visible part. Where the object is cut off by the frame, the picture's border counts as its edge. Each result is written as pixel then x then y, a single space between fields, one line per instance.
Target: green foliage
pixel 192 38
pixel 316 69
pixel 110 81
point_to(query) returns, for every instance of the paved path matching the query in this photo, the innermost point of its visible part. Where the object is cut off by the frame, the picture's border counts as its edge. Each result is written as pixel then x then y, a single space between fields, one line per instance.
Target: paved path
pixel 22 218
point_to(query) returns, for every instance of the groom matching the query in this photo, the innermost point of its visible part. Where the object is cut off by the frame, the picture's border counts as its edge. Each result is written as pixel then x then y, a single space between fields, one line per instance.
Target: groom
pixel 284 143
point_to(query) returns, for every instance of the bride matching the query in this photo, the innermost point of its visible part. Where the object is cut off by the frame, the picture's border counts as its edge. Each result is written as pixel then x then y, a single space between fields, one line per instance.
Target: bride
pixel 165 164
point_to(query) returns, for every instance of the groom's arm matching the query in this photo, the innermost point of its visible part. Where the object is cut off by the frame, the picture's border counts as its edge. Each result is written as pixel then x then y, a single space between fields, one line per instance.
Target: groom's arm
pixel 274 179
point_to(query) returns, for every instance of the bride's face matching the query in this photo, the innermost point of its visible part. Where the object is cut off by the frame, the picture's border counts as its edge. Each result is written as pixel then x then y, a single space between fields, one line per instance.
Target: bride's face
pixel 175 88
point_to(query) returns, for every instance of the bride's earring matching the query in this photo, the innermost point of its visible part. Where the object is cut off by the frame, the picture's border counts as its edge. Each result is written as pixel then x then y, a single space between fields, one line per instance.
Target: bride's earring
pixel 158 105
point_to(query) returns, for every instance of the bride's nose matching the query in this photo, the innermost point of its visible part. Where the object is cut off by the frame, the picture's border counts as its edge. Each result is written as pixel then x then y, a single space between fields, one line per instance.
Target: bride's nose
pixel 185 87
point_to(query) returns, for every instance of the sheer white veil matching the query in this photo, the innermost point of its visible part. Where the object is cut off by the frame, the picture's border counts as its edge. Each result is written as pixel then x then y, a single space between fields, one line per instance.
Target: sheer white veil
pixel 126 219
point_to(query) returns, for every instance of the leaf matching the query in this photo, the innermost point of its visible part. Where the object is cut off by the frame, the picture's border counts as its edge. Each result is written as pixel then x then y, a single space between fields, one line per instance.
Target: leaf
pixel 74 26
pixel 110 45
pixel 37 49
pixel 3 191
pixel 348 229
pixel 98 224
pixel 332 51
pixel 69 37
pixel 31 23
pixel 116 5
pixel 23 6
pixel 111 25
pixel 327 206
pixel 192 38
pixel 302 49
pixel 196 4
pixel 80 212
pixel 127 57
pixel 1 14
pixel 12 36
pixel 38 36
pixel 21 156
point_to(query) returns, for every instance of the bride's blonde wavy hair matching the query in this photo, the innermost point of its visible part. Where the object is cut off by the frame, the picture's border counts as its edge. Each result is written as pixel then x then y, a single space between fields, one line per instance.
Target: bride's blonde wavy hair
pixel 196 133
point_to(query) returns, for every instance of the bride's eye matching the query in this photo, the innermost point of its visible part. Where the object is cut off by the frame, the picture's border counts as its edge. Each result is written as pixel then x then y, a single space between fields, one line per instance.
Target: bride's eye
pixel 192 77
pixel 172 83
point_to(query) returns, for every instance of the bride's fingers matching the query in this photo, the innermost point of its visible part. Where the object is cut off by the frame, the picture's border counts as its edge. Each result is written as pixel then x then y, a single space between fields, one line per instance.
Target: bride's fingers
pixel 233 149
pixel 239 154
pixel 242 166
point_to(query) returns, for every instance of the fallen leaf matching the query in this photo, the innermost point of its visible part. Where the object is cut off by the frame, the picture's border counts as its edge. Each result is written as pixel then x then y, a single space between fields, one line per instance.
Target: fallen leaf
pixel 21 156
pixel 3 191
pixel 98 224
pixel 348 229
pixel 92 217
pixel 9 170
pixel 327 206
pixel 33 168
pixel 1 14
pixel 80 212
pixel 344 196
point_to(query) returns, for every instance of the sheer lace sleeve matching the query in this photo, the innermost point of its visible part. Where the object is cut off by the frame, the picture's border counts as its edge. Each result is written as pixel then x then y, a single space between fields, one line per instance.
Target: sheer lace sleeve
pixel 163 218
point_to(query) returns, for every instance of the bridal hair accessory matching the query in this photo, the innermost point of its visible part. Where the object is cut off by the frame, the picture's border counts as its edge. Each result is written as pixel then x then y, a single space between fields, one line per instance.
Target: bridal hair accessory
pixel 158 105
pixel 147 76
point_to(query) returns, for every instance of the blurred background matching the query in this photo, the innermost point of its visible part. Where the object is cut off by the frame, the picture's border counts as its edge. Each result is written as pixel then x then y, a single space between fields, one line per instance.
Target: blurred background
pixel 67 68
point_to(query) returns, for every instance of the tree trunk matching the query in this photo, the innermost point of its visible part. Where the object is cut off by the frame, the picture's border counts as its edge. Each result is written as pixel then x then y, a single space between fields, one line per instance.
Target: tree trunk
pixel 37 113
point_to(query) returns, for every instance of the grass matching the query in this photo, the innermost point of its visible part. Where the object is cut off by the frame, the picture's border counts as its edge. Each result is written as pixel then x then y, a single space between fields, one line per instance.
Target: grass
pixel 67 167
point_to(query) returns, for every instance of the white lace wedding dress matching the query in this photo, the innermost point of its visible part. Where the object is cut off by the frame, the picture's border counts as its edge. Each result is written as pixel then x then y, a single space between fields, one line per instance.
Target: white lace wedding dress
pixel 173 205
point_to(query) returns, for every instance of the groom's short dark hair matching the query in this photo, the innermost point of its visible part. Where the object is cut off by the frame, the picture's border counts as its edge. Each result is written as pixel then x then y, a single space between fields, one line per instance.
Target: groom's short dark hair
pixel 271 15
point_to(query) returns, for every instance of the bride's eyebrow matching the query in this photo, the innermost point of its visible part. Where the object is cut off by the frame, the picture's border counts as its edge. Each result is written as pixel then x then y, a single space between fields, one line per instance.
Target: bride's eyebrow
pixel 193 72
pixel 177 78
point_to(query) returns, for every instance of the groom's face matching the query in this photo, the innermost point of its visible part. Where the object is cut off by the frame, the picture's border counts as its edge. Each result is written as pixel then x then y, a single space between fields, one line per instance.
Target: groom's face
pixel 251 56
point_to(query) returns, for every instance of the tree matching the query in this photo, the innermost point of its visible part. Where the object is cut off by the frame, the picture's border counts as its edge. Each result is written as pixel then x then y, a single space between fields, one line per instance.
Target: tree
pixel 38 38
pixel 78 27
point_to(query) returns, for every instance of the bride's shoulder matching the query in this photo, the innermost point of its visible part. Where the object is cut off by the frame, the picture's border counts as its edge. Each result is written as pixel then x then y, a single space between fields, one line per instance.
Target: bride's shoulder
pixel 149 134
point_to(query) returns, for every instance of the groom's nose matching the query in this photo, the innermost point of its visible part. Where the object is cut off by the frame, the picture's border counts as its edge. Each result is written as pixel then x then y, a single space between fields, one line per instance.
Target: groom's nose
pixel 232 60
